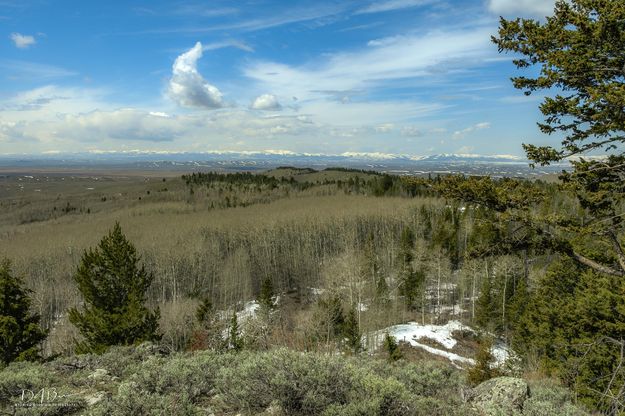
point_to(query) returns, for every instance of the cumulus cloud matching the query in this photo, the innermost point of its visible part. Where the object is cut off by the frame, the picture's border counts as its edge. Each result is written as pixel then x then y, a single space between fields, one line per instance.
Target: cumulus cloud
pixel 525 8
pixel 22 41
pixel 187 87
pixel 459 134
pixel 266 102
pixel 14 132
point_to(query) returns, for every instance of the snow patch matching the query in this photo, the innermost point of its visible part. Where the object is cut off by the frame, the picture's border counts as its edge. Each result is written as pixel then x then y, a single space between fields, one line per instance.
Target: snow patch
pixel 413 332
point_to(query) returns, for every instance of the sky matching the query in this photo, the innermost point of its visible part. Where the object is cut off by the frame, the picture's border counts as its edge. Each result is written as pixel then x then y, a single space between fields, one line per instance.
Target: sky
pixel 409 77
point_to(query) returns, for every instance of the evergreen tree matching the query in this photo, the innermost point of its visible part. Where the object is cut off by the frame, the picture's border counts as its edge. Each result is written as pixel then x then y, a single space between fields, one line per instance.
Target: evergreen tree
pixel 485 305
pixel 352 331
pixel 409 278
pixel 234 337
pixel 411 286
pixel 484 359
pixel 392 348
pixel 20 333
pixel 266 298
pixel 113 287
pixel 382 292
pixel 204 310
pixel 333 310
pixel 406 246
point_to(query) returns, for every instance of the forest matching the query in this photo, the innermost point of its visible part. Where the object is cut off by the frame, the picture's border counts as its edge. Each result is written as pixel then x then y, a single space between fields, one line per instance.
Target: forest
pixel 279 292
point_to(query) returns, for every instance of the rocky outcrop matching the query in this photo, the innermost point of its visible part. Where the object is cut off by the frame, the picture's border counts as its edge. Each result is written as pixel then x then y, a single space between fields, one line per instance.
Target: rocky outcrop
pixel 499 396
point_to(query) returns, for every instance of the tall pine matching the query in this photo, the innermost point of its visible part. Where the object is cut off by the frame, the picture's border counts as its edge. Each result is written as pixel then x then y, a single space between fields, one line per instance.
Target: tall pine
pixel 20 333
pixel 113 287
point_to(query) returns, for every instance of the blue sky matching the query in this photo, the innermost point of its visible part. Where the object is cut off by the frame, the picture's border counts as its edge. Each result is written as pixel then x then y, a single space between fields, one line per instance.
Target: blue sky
pixel 412 77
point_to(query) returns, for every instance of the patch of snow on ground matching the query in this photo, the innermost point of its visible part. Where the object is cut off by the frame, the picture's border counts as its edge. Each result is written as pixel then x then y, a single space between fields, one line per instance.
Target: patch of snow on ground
pixel 249 311
pixel 315 291
pixel 413 331
pixel 501 353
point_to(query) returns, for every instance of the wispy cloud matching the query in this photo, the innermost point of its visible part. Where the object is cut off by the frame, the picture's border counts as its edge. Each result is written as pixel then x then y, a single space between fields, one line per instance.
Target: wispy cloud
pixel 387 59
pixel 280 18
pixel 459 134
pixel 24 70
pixel 22 41
pixel 389 5
pixel 527 8
pixel 228 44
pixel 197 9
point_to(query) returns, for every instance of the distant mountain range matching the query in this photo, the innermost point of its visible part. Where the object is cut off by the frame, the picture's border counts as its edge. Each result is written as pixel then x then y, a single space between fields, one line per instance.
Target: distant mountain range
pixel 470 164
pixel 274 155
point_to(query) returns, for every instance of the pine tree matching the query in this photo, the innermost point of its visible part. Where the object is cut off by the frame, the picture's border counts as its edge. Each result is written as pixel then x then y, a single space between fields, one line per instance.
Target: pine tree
pixel 409 278
pixel 485 306
pixel 482 370
pixel 235 340
pixel 392 347
pixel 113 287
pixel 204 311
pixel 266 294
pixel 382 292
pixel 20 333
pixel 352 331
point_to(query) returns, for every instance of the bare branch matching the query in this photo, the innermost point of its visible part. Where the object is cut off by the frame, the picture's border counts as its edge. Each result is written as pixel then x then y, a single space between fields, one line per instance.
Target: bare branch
pixel 596 266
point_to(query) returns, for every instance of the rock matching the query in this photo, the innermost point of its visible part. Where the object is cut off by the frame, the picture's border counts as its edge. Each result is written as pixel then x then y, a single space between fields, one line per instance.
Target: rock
pixel 98 374
pixel 274 409
pixel 94 398
pixel 499 396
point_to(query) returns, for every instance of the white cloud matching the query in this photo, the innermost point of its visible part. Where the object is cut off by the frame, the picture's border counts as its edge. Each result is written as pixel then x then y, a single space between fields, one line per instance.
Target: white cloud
pixel 394 58
pixel 22 41
pixel 266 102
pixel 124 124
pixel 522 8
pixel 25 70
pixel 384 128
pixel 388 5
pixel 187 87
pixel 232 43
pixel 459 134
pixel 411 131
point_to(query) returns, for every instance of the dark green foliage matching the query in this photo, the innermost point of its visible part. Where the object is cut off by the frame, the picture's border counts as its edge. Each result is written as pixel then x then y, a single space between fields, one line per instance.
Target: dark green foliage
pixel 266 297
pixel 208 333
pixel 579 51
pixel 333 309
pixel 20 333
pixel 406 246
pixel 235 340
pixel 204 311
pixel 575 324
pixel 351 331
pixel 410 279
pixel 411 286
pixel 392 348
pixel 486 309
pixel 484 359
pixel 382 292
pixel 113 287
